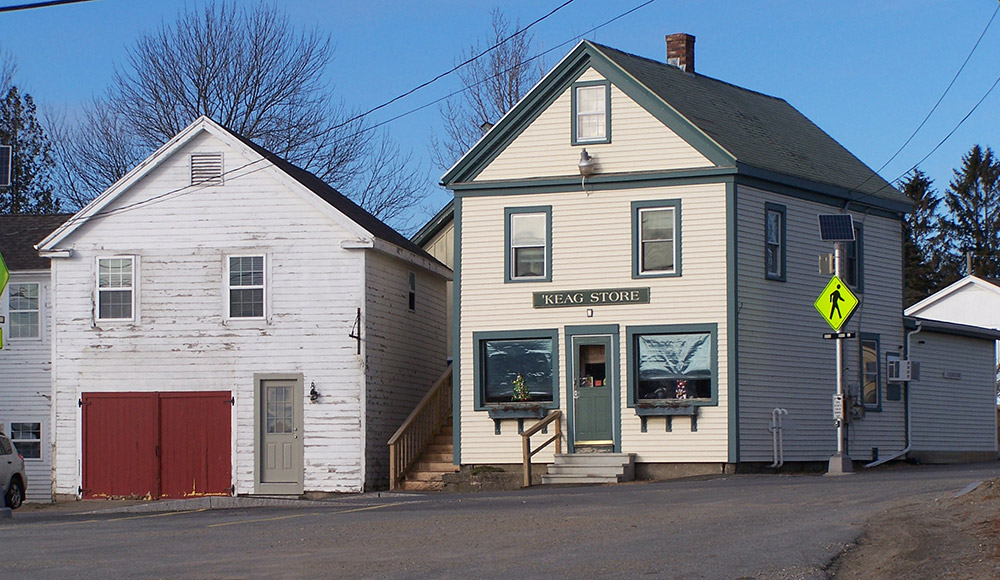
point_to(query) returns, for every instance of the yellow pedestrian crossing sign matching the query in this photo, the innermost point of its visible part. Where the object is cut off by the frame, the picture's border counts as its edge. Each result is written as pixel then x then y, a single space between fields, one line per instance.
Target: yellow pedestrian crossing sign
pixel 836 303
pixel 4 274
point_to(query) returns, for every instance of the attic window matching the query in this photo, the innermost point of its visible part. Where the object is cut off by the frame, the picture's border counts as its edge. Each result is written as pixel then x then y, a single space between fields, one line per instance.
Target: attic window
pixel 206 169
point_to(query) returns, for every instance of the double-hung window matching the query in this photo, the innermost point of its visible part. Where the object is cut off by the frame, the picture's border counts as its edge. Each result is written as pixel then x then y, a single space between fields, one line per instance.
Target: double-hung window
pixel 528 241
pixel 27 437
pixel 116 288
pixel 591 112
pixel 853 266
pixel 871 377
pixel 412 294
pixel 246 286
pixel 774 242
pixel 516 366
pixel 656 238
pixel 25 310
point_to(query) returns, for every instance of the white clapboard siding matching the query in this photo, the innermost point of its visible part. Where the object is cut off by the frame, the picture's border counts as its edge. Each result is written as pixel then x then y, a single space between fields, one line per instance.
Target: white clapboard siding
pixel 639 142
pixel 592 248
pixel 404 351
pixel 783 359
pixel 953 404
pixel 26 384
pixel 181 339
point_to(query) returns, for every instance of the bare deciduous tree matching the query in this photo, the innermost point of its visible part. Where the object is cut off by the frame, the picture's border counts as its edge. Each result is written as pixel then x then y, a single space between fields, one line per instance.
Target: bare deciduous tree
pixel 494 84
pixel 250 70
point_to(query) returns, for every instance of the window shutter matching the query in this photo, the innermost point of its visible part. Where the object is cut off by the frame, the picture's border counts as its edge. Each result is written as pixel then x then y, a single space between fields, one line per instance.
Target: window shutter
pixel 206 169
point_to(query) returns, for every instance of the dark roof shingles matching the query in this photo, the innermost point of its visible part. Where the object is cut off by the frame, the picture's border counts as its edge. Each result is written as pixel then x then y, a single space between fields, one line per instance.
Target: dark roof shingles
pixel 18 235
pixel 759 130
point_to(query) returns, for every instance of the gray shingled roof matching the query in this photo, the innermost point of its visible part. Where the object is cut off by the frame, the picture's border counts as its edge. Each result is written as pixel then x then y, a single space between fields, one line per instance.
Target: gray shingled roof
pixel 18 235
pixel 760 131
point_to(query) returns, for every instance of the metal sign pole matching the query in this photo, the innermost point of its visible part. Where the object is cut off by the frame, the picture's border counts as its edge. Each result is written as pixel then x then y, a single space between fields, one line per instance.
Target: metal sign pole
pixel 840 463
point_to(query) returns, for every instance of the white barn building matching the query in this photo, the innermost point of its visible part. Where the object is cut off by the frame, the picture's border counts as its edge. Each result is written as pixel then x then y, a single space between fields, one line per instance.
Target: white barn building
pixel 227 323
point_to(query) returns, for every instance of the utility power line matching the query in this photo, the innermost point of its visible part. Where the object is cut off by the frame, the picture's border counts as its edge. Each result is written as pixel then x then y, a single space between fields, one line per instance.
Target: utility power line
pixel 31 5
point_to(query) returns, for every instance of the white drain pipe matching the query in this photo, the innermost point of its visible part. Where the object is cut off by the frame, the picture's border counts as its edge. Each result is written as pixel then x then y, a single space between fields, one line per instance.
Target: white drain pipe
pixel 777 436
pixel 906 449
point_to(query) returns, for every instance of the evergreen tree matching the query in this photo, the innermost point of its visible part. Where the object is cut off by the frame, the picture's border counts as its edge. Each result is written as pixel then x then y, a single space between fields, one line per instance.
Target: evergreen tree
pixel 924 267
pixel 31 189
pixel 972 224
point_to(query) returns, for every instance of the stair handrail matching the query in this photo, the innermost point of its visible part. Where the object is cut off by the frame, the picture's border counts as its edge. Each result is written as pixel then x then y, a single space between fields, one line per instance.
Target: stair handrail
pixel 419 428
pixel 528 453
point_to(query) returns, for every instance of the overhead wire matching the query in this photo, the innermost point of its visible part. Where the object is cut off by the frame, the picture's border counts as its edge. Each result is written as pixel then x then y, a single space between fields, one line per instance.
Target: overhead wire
pixel 31 5
pixel 191 188
pixel 856 188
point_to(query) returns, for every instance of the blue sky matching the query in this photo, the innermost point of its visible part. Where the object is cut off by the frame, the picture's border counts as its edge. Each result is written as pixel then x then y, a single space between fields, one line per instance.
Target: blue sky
pixel 866 72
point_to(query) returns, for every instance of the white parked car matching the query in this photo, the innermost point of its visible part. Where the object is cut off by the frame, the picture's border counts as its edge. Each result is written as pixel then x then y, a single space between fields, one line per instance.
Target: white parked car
pixel 13 480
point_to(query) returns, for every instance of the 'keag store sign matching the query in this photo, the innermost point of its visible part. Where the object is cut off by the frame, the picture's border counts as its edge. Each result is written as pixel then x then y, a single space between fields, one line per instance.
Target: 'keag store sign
pixel 590 297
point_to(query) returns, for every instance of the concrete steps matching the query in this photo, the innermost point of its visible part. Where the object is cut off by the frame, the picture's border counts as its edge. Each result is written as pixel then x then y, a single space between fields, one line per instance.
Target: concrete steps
pixel 591 468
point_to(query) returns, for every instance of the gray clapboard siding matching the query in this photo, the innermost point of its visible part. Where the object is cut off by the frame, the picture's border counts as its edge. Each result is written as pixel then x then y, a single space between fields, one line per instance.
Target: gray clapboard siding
pixel 26 383
pixel 784 361
pixel 953 403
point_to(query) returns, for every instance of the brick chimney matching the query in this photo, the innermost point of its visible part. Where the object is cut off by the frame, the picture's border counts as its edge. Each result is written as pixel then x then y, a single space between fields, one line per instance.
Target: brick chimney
pixel 680 51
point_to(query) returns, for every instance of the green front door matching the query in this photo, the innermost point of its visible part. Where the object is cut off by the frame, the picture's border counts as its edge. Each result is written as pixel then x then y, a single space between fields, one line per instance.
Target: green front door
pixel 592 390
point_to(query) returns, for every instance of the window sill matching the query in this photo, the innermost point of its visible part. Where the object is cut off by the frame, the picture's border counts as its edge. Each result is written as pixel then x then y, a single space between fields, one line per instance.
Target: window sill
pixel 518 411
pixel 664 410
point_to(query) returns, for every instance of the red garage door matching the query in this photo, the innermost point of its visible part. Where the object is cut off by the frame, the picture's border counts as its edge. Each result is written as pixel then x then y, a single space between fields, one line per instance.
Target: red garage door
pixel 156 444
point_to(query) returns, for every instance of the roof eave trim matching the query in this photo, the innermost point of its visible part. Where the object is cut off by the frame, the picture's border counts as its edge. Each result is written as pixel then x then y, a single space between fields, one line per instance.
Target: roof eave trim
pixel 847 196
pixel 435 225
pixel 956 329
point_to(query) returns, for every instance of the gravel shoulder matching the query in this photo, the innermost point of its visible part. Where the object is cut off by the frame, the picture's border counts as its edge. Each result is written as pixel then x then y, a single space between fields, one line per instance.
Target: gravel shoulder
pixel 956 537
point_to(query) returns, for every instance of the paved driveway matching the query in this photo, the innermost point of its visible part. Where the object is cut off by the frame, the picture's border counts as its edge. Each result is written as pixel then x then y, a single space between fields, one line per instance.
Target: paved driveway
pixel 758 526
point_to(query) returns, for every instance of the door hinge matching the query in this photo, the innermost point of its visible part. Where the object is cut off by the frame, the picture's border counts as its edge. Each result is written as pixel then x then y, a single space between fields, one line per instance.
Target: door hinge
pixel 80 403
pixel 232 490
pixel 232 401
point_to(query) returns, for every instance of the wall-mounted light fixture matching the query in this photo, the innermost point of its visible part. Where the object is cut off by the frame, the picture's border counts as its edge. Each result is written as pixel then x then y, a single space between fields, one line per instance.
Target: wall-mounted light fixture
pixel 313 393
pixel 587 168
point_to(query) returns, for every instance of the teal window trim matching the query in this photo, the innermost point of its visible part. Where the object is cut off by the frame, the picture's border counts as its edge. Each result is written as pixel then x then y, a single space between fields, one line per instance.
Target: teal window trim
pixel 478 369
pixel 869 337
pixel 574 136
pixel 770 208
pixel 638 206
pixel 508 254
pixel 859 262
pixel 631 351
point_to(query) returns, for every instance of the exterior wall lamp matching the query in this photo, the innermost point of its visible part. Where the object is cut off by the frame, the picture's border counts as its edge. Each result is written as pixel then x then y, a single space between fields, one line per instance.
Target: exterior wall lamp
pixel 587 168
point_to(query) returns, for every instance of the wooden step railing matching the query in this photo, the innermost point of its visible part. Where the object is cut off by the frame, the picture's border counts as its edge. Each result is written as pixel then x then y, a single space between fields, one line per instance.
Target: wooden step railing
pixel 528 453
pixel 419 429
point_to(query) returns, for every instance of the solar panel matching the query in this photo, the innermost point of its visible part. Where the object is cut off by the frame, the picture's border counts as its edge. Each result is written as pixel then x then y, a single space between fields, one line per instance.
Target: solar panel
pixel 836 228
pixel 5 152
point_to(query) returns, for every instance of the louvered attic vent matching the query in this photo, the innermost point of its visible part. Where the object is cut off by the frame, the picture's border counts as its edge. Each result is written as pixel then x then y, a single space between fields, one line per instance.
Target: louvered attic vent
pixel 206 169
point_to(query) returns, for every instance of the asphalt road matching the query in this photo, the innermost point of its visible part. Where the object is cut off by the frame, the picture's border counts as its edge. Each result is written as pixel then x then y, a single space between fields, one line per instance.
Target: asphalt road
pixel 759 526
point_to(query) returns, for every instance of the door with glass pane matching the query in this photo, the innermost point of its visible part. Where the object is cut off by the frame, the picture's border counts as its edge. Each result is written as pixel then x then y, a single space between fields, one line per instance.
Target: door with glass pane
pixel 279 459
pixel 592 390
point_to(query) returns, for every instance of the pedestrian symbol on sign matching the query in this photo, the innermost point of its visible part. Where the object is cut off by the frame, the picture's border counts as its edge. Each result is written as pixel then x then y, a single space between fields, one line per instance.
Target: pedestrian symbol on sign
pixel 836 303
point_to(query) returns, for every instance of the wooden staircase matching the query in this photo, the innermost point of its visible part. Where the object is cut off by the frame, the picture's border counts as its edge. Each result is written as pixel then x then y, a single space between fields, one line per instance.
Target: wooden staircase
pixel 591 468
pixel 438 459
